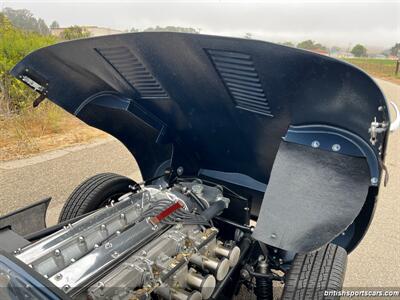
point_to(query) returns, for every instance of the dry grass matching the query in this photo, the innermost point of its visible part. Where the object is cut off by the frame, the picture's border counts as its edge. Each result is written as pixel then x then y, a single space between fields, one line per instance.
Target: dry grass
pixel 381 68
pixel 45 128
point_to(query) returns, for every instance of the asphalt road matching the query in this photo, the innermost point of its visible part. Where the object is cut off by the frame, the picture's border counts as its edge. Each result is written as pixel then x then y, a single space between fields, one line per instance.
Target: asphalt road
pixel 375 262
pixel 57 173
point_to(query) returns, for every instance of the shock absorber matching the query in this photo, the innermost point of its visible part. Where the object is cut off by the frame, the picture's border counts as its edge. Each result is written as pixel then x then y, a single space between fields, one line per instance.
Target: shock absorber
pixel 263 289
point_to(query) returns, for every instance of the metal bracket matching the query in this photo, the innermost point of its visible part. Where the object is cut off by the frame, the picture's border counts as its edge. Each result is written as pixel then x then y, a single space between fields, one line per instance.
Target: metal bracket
pixel 40 88
pixel 375 129
pixel 33 84
pixel 338 140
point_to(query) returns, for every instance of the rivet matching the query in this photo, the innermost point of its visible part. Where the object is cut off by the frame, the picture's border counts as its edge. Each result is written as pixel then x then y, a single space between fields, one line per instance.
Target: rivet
pixel 66 287
pixel 179 171
pixel 315 144
pixel 58 277
pixel 335 147
pixel 374 180
pixel 57 252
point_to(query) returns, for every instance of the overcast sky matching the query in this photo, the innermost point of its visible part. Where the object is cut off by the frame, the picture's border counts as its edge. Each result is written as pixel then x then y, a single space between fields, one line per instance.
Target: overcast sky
pixel 342 23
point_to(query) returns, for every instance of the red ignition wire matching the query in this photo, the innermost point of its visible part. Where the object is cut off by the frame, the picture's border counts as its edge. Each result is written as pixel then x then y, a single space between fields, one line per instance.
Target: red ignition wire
pixel 166 212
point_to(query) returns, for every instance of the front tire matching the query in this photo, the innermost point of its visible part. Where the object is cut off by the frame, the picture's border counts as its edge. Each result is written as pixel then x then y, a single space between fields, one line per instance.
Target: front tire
pixel 95 192
pixel 314 273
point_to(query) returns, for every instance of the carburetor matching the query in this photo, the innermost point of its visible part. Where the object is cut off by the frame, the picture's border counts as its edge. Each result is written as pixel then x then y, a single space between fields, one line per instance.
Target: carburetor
pixel 185 262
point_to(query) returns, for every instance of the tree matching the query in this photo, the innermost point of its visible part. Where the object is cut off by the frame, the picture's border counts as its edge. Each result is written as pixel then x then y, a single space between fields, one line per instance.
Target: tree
pixel 320 46
pixel 42 27
pixel 395 50
pixel 15 44
pixel 54 25
pixel 74 32
pixel 24 19
pixel 289 44
pixel 248 35
pixel 359 51
pixel 310 45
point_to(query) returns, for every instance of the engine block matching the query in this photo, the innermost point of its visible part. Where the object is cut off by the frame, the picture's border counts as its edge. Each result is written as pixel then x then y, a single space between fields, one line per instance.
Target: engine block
pixel 150 242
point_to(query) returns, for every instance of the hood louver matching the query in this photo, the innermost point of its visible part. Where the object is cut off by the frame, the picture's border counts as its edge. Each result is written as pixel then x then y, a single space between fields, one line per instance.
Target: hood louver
pixel 133 71
pixel 240 77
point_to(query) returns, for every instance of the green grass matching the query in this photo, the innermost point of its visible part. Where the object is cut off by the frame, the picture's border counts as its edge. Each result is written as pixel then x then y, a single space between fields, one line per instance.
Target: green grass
pixel 377 67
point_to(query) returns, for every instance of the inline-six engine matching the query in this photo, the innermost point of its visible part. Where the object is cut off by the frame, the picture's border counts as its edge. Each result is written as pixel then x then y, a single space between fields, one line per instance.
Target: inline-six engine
pixel 156 241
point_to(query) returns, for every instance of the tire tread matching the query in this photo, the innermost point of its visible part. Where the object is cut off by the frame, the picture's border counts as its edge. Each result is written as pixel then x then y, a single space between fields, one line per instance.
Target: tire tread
pixel 313 273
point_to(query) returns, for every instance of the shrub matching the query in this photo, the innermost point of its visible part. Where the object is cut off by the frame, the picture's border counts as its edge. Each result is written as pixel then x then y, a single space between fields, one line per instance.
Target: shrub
pixel 15 44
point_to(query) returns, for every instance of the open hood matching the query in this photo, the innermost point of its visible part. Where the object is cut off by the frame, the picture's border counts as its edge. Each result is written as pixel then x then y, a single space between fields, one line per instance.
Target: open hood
pixel 227 101
pixel 218 106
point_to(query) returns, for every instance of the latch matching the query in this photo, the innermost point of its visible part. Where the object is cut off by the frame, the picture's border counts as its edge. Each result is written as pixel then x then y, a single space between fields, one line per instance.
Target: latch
pixel 375 129
pixel 35 85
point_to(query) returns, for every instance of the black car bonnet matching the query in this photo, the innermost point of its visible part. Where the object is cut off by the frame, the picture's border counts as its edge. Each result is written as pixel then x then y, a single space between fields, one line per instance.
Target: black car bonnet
pixel 218 106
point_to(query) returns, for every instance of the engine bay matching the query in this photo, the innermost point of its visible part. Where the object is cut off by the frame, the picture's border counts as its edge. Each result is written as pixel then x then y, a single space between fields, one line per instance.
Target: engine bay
pixel 151 242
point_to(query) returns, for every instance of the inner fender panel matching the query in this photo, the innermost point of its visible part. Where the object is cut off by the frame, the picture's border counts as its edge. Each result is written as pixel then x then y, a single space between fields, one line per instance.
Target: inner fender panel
pixel 312 196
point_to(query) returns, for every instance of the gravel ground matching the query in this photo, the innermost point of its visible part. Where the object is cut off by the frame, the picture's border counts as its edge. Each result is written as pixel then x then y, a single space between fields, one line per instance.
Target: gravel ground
pixel 375 262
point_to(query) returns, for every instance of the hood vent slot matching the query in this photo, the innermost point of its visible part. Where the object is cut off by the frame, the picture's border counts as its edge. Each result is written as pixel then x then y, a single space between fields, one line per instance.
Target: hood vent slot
pixel 134 72
pixel 240 77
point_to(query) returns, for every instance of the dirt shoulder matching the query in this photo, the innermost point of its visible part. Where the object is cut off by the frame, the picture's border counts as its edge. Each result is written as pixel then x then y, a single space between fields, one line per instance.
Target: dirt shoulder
pixel 386 78
pixel 37 131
